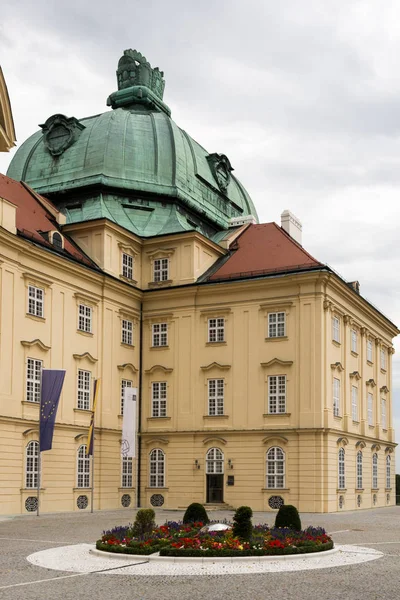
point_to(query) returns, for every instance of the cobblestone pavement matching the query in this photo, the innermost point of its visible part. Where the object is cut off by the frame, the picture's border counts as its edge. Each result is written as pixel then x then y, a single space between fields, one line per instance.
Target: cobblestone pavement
pixel 23 535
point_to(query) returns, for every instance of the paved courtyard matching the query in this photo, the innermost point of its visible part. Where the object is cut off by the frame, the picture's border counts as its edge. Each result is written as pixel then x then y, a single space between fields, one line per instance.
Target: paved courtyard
pixel 24 535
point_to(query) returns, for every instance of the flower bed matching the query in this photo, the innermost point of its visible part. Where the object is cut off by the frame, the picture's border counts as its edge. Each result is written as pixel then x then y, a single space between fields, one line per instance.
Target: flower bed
pixel 178 539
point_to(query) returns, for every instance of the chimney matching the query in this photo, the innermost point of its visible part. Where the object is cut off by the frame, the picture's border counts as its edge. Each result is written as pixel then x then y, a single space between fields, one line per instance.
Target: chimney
pixel 291 225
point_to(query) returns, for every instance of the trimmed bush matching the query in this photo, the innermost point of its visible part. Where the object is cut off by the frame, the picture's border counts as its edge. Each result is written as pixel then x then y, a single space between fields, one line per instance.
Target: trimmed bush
pixel 288 516
pixel 242 525
pixel 196 513
pixel 144 522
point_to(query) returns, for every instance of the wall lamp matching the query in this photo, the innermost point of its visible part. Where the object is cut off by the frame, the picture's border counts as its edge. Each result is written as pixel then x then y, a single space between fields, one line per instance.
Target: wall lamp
pixel 196 464
pixel 230 464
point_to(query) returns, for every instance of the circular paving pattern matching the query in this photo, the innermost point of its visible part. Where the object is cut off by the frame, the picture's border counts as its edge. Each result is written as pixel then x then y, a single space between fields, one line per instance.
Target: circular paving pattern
pixel 81 559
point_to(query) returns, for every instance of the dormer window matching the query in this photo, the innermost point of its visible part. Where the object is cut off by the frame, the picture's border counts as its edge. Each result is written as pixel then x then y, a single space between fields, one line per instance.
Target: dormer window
pixel 161 269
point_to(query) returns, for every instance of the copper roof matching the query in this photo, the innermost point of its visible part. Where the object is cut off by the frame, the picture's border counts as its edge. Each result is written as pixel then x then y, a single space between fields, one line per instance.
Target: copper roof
pixel 33 219
pixel 261 250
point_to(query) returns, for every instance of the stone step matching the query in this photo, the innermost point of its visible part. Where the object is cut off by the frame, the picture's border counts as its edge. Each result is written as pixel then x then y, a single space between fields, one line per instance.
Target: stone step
pixel 218 506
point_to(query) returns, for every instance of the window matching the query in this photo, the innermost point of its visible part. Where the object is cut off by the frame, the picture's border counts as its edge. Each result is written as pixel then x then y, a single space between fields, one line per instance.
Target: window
pixel 369 350
pixel 388 478
pixel 215 397
pixel 383 359
pixel 341 470
pixel 336 329
pixel 354 402
pixel 35 301
pixel 370 409
pixel 157 468
pixel 126 475
pixel 375 471
pixel 33 379
pixel 127 266
pixel 124 384
pixel 214 462
pixel 160 334
pixel 32 465
pixel 276 324
pixel 336 397
pixel 275 468
pixel 359 470
pixel 84 389
pixel 85 318
pixel 383 413
pixel 277 394
pixel 127 332
pixel 216 330
pixel 161 268
pixel 354 340
pixel 83 468
pixel 159 399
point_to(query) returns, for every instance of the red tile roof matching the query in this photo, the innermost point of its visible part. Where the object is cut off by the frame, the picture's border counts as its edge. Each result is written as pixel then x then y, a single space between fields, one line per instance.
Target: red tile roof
pixel 261 250
pixel 32 217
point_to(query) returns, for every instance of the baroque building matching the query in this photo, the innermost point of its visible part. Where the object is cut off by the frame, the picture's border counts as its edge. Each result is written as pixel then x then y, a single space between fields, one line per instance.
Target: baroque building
pixel 130 253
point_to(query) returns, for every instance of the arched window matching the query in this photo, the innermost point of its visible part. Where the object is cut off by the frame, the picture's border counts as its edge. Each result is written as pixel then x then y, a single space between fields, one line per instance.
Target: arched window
pixel 32 465
pixel 126 472
pixel 375 471
pixel 83 468
pixel 157 468
pixel 341 470
pixel 275 468
pixel 359 470
pixel 388 478
pixel 214 461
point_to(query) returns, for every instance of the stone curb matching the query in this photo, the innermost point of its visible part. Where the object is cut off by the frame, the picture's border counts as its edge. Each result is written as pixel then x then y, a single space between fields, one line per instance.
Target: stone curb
pixel 210 560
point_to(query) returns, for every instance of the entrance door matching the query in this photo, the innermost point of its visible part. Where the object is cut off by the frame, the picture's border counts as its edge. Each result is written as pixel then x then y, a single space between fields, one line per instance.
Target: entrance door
pixel 215 488
pixel 215 475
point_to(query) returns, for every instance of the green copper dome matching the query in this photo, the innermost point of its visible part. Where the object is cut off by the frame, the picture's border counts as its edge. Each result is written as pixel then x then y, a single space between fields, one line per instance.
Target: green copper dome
pixel 132 164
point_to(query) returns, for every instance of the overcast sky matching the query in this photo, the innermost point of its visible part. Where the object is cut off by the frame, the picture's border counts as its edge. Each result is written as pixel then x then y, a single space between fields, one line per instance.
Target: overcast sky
pixel 303 97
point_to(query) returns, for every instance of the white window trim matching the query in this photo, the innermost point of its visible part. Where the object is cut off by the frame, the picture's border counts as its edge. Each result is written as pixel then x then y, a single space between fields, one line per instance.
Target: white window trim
pixel 158 399
pixel 375 471
pixel 276 324
pixel 370 408
pixel 35 301
pixel 383 359
pixel 215 462
pixel 161 268
pixel 354 403
pixel 336 329
pixel 82 468
pixel 341 469
pixel 383 413
pixel 216 330
pixel 354 341
pixel 124 383
pixel 127 332
pixel 32 464
pixel 369 351
pixel 33 384
pixel 388 471
pixel 275 468
pixel 159 335
pixel 216 397
pixel 157 468
pixel 127 472
pixel 359 470
pixel 336 397
pixel 85 318
pixel 84 389
pixel 127 265
pixel 277 399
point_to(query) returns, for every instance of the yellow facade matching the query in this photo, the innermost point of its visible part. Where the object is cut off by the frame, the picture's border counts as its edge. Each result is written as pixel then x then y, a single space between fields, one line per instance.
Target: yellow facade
pixel 317 306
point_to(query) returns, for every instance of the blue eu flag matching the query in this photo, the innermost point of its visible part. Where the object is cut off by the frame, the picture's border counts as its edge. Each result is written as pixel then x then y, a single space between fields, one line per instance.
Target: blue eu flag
pixel 52 382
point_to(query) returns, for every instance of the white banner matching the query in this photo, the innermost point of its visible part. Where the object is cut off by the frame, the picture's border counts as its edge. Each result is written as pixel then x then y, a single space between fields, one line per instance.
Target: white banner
pixel 128 445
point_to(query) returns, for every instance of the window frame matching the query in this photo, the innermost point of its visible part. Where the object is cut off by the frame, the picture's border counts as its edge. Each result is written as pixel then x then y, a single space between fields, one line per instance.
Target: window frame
pixel 370 355
pixel 215 462
pixel 157 468
pixel 31 465
pixel 127 265
pixel 161 270
pixel 159 339
pixel 354 403
pixel 383 413
pixel 336 396
pixel 388 472
pixel 85 318
pixel 336 329
pixel 124 384
pixel 84 392
pixel 82 468
pixel 277 401
pixel 359 470
pixel 127 332
pixel 127 472
pixel 35 383
pixel 375 471
pixel 383 359
pixel 277 324
pixel 370 409
pixel 354 340
pixel 216 330
pixel 216 396
pixel 275 468
pixel 35 304
pixel 342 469
pixel 158 399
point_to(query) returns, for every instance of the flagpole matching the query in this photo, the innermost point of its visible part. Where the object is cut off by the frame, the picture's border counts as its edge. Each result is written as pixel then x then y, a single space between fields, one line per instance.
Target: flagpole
pixel 39 454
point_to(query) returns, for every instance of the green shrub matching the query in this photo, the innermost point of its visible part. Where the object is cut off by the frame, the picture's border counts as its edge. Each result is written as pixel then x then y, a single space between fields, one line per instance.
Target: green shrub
pixel 195 513
pixel 288 516
pixel 242 525
pixel 144 522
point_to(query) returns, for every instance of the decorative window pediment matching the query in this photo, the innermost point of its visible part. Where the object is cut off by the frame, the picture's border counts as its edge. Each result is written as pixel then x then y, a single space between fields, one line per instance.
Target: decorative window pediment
pixel 86 300
pixel 85 355
pixel 160 253
pixel 36 342
pixel 375 447
pixel 160 368
pixel 129 366
pixel 389 450
pixel 214 440
pixel 355 375
pixel 337 366
pixel 276 305
pixel 371 383
pixel 274 439
pixel 157 440
pixel 216 366
pixel 384 389
pixel 342 442
pixel 361 444
pixel 32 430
pixel 36 280
pixel 277 362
